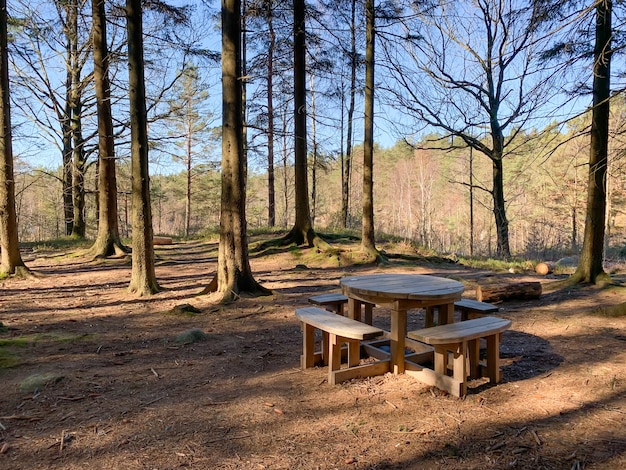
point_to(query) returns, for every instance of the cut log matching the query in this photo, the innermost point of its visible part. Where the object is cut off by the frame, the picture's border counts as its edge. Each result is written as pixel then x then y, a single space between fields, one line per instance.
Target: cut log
pixel 162 240
pixel 511 291
pixel 545 267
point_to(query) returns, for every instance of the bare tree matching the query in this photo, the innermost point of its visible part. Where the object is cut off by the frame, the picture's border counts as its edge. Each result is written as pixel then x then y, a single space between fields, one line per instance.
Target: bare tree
pixel 469 68
pixel 57 91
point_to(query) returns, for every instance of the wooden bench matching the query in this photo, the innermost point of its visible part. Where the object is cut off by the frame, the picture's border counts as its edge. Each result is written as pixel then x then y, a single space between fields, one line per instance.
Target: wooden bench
pixel 469 309
pixel 474 309
pixel 337 330
pixel 462 340
pixel 336 301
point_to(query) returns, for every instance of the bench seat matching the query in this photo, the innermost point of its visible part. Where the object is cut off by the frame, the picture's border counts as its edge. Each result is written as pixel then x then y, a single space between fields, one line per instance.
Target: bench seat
pixel 336 302
pixel 462 340
pixel 336 331
pixel 333 301
pixel 474 309
pixel 469 309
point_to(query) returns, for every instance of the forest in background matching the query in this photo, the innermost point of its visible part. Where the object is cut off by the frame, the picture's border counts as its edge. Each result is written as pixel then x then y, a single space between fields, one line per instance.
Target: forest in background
pixel 422 184
pixel 421 196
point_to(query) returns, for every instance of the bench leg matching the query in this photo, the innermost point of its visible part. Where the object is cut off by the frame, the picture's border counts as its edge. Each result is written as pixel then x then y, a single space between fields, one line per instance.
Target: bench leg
pixel 325 348
pixel 334 356
pixel 354 353
pixel 493 358
pixel 441 360
pixel 459 366
pixel 308 346
pixel 464 313
pixel 474 358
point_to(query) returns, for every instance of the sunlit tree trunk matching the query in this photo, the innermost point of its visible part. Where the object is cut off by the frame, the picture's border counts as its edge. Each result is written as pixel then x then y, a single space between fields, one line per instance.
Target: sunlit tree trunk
pixel 590 265
pixel 368 241
pixel 10 258
pixel 76 110
pixel 143 278
pixel 347 163
pixel 302 232
pixel 233 267
pixel 271 178
pixel 108 241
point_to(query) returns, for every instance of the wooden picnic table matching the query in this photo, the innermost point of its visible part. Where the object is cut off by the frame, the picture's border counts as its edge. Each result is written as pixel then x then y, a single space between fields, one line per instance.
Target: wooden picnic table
pixel 401 292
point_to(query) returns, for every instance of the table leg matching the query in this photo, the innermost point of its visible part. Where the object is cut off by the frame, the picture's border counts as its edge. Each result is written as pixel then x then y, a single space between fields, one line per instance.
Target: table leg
pixel 369 309
pixel 446 314
pixel 429 317
pixel 398 333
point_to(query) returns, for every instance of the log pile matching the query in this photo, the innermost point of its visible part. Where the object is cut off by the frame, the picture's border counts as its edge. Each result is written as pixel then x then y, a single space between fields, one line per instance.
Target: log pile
pixel 509 291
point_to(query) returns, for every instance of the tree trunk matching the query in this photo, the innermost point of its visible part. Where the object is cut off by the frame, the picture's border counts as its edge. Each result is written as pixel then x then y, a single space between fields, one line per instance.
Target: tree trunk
pixel 347 166
pixel 108 241
pixel 10 258
pixel 303 229
pixel 368 243
pixel 590 264
pixel 68 180
pixel 314 154
pixel 233 269
pixel 271 189
pixel 76 108
pixel 188 170
pixel 143 279
pixel 499 203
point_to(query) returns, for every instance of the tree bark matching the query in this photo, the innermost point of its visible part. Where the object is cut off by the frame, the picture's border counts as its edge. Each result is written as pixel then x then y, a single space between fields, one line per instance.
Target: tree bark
pixel 10 258
pixel 76 109
pixel 590 265
pixel 347 163
pixel 302 232
pixel 233 268
pixel 368 243
pixel 108 241
pixel 508 291
pixel 143 278
pixel 271 189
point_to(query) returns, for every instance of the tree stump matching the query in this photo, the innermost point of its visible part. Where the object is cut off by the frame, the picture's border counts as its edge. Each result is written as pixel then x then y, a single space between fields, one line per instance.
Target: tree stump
pixel 510 291
pixel 545 267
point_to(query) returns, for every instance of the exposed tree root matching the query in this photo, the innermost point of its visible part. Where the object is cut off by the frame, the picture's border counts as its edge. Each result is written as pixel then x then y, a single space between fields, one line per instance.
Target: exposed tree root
pixel 108 248
pixel 601 280
pixel 242 284
pixel 20 272
pixel 612 311
pixel 296 236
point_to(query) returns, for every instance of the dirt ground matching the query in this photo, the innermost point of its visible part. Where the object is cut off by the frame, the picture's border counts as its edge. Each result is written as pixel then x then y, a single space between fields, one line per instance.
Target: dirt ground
pixel 116 389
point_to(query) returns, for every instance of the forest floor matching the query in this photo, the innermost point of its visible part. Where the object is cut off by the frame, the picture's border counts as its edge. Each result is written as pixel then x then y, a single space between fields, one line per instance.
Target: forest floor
pixel 93 377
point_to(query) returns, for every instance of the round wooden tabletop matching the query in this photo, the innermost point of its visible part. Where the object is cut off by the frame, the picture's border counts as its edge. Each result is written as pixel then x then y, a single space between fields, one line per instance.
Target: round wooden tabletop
pixel 402 286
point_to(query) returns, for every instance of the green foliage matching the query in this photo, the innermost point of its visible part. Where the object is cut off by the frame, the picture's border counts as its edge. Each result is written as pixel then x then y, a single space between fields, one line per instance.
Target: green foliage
pixel 499 265
pixel 58 244
pixel 8 357
pixel 191 336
